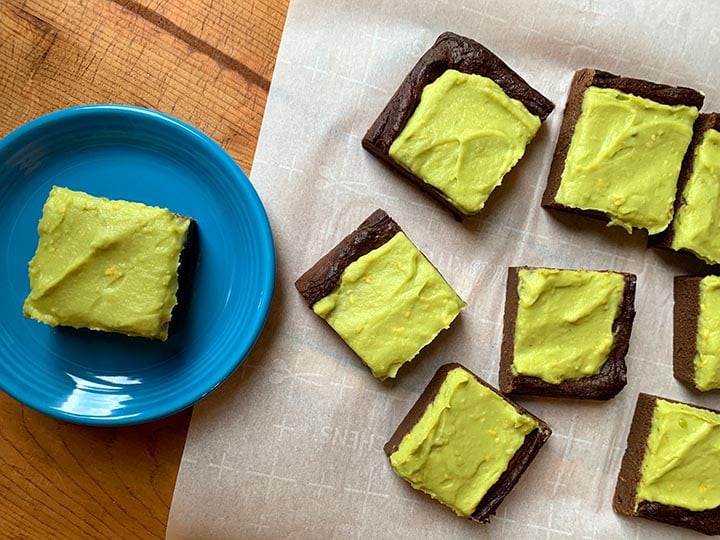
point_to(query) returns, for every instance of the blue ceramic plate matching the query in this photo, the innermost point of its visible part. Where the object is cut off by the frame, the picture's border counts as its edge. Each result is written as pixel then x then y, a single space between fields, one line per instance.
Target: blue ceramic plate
pixel 134 154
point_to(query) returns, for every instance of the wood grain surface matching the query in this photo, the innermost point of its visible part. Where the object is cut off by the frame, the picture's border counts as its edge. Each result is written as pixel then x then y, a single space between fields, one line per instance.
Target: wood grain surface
pixel 208 62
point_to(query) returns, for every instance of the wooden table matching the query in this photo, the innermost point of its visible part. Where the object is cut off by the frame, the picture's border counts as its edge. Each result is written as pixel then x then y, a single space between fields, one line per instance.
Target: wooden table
pixel 208 62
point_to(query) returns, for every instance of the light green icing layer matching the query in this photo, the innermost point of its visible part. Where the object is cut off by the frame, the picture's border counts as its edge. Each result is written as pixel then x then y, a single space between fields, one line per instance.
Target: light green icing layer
pixel 563 328
pixel 462 443
pixel 105 265
pixel 680 467
pixel 707 356
pixel 624 158
pixel 389 304
pixel 464 136
pixel 697 224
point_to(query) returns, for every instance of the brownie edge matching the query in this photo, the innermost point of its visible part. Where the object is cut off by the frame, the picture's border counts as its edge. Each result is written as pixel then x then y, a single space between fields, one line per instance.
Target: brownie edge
pixel 187 268
pixel 450 51
pixel 325 274
pixel 686 310
pixel 581 81
pixel 519 462
pixel 703 123
pixel 629 476
pixel 612 377
pixel 704 521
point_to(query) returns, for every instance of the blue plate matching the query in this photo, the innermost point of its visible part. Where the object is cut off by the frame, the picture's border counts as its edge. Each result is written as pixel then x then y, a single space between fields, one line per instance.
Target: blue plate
pixel 134 154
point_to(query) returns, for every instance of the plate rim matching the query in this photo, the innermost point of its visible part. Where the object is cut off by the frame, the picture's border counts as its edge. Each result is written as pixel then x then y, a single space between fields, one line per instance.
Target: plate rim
pixel 244 345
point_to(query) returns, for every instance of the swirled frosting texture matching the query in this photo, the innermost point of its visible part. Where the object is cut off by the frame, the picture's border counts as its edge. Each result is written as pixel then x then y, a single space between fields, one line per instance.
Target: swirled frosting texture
pixel 105 265
pixel 680 467
pixel 463 442
pixel 389 304
pixel 463 137
pixel 697 224
pixel 624 158
pixel 564 322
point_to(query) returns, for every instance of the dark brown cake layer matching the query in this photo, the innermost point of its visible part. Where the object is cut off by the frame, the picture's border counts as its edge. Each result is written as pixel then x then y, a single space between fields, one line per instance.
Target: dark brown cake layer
pixel 519 462
pixel 605 385
pixel 705 521
pixel 450 51
pixel 703 123
pixel 686 309
pixel 186 278
pixel 324 276
pixel 631 466
pixel 584 79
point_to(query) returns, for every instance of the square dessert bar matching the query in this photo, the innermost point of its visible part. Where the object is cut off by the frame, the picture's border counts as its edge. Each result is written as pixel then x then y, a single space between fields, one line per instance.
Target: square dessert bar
pixel 380 294
pixel 465 444
pixel 620 148
pixel 696 224
pixel 696 331
pixel 458 123
pixel 107 265
pixel 566 332
pixel 670 470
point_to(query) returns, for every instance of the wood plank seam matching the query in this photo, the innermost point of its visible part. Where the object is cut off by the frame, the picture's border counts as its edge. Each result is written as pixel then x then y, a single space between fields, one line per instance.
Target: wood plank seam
pixel 223 59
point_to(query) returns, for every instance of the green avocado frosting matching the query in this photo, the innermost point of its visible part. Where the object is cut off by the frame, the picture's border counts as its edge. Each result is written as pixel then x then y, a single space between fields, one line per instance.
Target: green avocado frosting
pixel 707 355
pixel 624 158
pixel 389 304
pixel 697 224
pixel 680 467
pixel 463 137
pixel 462 443
pixel 563 326
pixel 105 265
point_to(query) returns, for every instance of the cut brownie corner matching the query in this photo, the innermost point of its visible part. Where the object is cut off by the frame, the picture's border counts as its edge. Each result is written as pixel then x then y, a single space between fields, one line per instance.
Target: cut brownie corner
pixel 324 275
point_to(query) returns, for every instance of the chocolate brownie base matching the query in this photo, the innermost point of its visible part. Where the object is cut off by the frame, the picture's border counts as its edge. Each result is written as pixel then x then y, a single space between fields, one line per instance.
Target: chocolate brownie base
pixel 186 278
pixel 703 123
pixel 605 385
pixel 450 51
pixel 519 462
pixel 584 79
pixel 705 521
pixel 324 276
pixel 686 309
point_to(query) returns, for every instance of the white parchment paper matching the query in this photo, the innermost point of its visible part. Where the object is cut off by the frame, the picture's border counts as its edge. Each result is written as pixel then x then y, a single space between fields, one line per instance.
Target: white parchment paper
pixel 291 445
